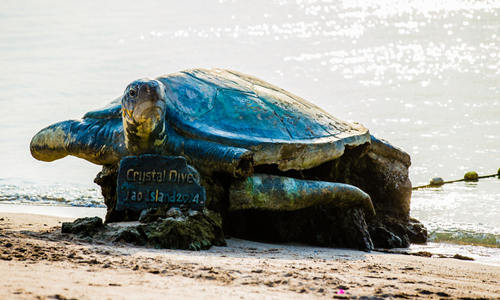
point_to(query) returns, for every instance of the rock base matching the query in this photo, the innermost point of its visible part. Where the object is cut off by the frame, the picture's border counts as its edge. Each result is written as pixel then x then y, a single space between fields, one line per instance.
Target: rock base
pixel 83 226
pixel 172 229
pixel 319 225
pixel 379 169
pixel 388 232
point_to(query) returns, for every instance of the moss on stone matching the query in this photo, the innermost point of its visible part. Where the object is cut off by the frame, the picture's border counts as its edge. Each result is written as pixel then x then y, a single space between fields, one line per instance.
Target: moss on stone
pixel 191 230
pixel 378 169
pixel 128 235
pixel 83 226
pixel 196 231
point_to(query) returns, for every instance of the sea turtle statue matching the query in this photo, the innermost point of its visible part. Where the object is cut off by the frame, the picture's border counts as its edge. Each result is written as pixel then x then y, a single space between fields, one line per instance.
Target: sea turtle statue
pixel 258 146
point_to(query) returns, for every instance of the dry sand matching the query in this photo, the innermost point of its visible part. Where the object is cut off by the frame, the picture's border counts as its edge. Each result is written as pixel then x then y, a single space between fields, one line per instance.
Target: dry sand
pixel 38 262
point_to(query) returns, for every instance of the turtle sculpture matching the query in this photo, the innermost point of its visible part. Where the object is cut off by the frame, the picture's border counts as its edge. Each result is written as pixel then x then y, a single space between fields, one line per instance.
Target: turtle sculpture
pixel 273 150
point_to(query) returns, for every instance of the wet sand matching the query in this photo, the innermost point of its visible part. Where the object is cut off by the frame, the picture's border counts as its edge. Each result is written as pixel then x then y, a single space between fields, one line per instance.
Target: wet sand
pixel 38 262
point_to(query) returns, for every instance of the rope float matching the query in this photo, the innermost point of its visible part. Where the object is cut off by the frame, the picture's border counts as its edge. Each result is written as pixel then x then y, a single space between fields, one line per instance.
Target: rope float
pixel 471 176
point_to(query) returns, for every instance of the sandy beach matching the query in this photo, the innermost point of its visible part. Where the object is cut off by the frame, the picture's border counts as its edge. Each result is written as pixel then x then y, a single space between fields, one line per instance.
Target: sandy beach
pixel 38 262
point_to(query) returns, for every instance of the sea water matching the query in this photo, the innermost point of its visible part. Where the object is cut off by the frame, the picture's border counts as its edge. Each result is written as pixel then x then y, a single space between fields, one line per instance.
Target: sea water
pixel 424 75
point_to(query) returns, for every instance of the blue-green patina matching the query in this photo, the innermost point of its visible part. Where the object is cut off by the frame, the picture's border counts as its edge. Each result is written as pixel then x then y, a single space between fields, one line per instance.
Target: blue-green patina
pixel 221 121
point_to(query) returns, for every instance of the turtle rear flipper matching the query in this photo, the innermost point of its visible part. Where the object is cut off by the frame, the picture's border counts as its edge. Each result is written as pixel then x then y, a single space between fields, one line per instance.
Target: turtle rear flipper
pixel 99 141
pixel 277 208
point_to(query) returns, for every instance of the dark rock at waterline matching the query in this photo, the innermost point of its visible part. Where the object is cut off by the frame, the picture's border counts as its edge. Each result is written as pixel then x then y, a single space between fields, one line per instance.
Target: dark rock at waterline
pixel 83 226
pixel 383 238
pixel 390 232
pixel 417 233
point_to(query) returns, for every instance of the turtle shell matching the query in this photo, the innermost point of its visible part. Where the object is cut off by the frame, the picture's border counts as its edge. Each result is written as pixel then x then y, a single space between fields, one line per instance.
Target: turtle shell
pixel 243 111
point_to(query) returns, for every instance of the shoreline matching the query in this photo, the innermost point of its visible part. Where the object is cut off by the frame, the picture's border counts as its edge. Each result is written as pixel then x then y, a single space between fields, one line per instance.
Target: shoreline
pixel 63 211
pixel 480 253
pixel 36 260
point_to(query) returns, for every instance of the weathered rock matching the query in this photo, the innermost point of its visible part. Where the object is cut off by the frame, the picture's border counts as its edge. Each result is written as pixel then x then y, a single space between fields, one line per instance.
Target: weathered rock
pixel 106 179
pixel 416 231
pixel 127 234
pixel 191 230
pixel 153 214
pixel 383 238
pixel 379 169
pixel 146 213
pixel 385 178
pixel 384 228
pixel 83 226
pixel 194 232
pixel 320 225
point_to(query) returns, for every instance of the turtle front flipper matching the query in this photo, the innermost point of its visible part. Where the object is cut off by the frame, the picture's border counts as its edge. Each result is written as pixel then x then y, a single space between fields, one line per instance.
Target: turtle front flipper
pixel 99 141
pixel 110 111
pixel 209 157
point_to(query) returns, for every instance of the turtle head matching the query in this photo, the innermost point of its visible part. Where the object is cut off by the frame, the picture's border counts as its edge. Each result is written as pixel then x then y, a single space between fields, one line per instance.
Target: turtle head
pixel 143 114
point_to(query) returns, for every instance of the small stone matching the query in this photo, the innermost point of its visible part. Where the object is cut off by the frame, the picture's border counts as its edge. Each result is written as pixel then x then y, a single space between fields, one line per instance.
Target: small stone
pixel 83 226
pixel 436 181
pixel 173 212
pixel 145 213
pixel 162 212
pixel 462 257
pixel 471 176
pixel 128 235
pixel 193 213
pixel 422 253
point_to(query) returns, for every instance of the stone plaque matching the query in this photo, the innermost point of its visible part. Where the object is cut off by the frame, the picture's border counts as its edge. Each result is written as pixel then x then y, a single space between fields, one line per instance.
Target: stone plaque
pixel 149 181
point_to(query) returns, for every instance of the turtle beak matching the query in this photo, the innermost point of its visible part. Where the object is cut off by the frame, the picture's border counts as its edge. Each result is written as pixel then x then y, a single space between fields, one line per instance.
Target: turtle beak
pixel 149 111
pixel 149 107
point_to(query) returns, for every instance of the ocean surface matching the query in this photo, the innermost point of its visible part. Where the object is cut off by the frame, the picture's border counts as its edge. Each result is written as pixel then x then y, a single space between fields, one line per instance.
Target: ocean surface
pixel 424 75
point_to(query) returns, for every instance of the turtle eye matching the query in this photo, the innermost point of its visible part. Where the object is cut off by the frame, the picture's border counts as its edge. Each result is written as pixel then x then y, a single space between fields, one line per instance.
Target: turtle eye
pixel 132 92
